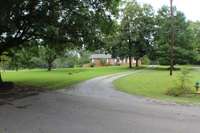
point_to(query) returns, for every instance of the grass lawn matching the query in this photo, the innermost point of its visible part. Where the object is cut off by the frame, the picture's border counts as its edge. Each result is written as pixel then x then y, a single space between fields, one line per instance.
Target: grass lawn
pixel 154 83
pixel 57 79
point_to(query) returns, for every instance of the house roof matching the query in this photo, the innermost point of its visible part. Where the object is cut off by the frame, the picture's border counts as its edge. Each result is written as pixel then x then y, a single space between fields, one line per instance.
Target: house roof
pixel 100 56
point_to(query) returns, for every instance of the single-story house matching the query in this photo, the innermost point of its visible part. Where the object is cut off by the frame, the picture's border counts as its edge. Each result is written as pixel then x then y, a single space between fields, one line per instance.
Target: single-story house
pixel 106 59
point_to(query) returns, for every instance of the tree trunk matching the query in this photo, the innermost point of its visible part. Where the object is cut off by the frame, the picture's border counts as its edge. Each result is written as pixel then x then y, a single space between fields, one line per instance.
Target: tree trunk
pixel 130 61
pixel 1 80
pixel 130 54
pixel 16 68
pixel 172 39
pixel 171 67
pixel 137 63
pixel 49 66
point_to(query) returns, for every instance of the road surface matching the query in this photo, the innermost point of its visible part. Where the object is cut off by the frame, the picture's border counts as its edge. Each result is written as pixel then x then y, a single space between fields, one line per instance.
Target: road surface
pixel 94 106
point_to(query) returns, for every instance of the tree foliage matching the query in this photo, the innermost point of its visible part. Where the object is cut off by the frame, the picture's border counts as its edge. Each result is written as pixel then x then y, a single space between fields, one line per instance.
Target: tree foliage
pixel 194 28
pixel 75 21
pixel 135 32
pixel 183 50
pixel 72 22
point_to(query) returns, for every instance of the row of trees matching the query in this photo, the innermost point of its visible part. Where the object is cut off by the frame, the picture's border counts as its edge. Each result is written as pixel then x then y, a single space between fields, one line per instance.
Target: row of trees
pixel 45 57
pixel 142 32
pixel 47 28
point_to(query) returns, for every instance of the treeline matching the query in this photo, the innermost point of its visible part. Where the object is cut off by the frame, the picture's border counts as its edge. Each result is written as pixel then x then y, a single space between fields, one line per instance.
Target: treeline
pixel 37 33
pixel 44 57
pixel 144 33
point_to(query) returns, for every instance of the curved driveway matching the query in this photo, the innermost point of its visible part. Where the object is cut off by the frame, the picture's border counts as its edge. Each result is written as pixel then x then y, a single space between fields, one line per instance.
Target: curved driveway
pixel 95 107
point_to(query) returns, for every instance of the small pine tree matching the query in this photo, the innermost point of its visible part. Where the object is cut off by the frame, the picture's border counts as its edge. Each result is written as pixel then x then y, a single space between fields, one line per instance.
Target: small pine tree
pixel 183 86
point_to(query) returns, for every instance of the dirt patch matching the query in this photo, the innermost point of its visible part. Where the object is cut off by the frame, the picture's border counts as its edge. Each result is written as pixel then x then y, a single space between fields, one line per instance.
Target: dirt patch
pixel 18 92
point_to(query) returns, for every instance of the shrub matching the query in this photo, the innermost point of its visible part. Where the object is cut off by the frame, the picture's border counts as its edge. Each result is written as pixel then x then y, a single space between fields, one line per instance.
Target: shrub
pixel 183 87
pixel 178 91
pixel 145 60
pixel 70 64
pixel 92 65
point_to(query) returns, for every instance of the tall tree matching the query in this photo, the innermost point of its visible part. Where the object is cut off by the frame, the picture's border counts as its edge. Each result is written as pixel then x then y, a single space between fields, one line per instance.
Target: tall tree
pixel 183 50
pixel 136 31
pixel 194 28
pixel 49 54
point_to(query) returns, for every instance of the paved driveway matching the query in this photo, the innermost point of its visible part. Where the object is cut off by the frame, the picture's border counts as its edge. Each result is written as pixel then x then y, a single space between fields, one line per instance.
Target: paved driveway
pixel 95 107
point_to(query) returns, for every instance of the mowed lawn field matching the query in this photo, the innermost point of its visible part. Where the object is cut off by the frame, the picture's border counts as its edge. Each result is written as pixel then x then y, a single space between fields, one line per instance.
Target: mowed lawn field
pixel 154 84
pixel 57 79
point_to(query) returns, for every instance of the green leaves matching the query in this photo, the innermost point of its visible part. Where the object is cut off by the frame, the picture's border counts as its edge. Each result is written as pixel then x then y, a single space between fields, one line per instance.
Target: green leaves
pixel 78 22
pixel 183 50
pixel 136 31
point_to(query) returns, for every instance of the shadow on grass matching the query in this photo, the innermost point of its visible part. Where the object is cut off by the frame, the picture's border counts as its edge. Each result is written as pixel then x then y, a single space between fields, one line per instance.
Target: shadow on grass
pixel 157 68
pixel 163 68
pixel 18 92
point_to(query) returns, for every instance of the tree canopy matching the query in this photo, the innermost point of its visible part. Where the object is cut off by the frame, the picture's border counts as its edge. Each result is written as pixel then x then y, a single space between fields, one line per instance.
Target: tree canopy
pixel 183 50
pixel 75 21
pixel 135 31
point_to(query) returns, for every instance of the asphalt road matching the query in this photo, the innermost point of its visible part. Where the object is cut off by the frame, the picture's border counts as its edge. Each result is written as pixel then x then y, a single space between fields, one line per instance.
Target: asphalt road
pixel 95 107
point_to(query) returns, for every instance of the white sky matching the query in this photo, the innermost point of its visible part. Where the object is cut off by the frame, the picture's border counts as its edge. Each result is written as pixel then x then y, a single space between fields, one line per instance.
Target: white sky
pixel 191 8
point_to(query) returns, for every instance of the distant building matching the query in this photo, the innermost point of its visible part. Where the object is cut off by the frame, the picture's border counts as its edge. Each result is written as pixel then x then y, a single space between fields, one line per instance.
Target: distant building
pixel 106 59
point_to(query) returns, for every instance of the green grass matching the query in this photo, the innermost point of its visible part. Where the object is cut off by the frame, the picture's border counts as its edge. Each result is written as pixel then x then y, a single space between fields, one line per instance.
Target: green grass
pixel 57 79
pixel 154 84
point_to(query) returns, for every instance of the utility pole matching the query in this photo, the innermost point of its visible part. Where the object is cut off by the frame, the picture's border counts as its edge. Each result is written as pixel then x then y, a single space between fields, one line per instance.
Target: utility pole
pixel 172 39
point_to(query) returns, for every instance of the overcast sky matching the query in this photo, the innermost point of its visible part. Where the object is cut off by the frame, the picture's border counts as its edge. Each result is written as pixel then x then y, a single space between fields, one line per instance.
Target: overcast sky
pixel 191 8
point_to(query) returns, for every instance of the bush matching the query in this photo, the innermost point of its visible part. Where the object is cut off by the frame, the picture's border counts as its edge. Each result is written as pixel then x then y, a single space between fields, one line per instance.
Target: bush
pixel 70 62
pixel 70 65
pixel 183 87
pixel 92 65
pixel 179 91
pixel 145 60
pixel 37 62
pixel 83 60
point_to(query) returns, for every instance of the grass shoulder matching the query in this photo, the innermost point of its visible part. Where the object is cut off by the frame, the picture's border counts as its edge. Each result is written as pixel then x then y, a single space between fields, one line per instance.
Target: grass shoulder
pixel 59 78
pixel 154 83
